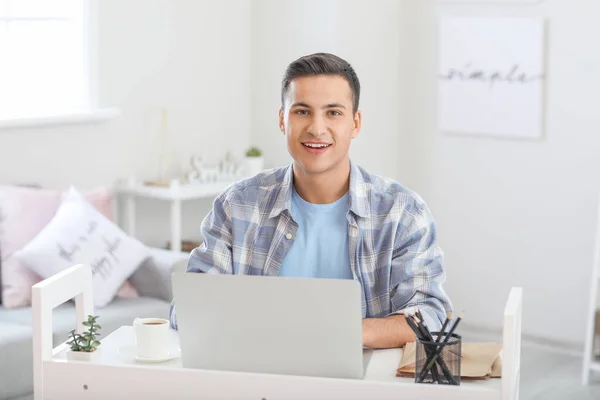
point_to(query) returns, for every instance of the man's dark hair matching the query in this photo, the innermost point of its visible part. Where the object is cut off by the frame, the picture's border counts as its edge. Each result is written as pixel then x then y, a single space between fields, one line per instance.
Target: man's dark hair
pixel 321 64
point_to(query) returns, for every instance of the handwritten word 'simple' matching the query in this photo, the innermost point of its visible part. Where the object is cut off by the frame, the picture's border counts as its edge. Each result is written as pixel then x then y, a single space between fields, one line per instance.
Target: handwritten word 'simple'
pixel 513 75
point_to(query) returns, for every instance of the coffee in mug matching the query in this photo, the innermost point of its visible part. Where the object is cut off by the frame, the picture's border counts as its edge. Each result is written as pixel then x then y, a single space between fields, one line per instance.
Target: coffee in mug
pixel 151 337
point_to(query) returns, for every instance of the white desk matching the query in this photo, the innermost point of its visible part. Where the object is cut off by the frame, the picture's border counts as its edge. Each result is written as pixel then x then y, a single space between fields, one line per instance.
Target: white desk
pixel 117 375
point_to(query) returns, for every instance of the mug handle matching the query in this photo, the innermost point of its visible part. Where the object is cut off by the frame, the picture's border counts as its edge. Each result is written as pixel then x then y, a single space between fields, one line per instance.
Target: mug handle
pixel 135 323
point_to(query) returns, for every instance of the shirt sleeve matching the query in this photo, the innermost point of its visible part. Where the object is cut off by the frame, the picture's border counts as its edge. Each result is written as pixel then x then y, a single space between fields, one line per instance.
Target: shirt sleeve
pixel 417 272
pixel 214 255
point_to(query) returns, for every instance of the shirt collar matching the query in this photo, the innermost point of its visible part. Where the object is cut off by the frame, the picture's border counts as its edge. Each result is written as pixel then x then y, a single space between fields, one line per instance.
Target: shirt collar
pixel 357 196
pixel 283 201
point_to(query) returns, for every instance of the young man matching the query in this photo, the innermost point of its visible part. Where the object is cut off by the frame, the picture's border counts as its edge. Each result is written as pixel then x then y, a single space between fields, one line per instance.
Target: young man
pixel 323 216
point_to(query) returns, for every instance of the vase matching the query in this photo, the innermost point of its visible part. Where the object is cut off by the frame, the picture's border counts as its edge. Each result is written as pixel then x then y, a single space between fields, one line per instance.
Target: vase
pixel 253 165
pixel 83 355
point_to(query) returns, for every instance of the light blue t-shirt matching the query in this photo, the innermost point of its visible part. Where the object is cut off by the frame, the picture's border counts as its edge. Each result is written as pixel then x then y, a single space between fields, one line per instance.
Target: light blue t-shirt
pixel 320 248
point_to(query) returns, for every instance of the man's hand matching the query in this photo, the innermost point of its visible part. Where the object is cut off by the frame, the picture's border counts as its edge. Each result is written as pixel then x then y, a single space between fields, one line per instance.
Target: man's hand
pixel 385 333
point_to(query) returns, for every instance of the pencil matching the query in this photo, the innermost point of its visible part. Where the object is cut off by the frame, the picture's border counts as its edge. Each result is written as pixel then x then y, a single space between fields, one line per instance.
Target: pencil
pixel 448 318
pixel 422 328
pixel 414 327
pixel 419 315
pixel 441 335
pixel 426 328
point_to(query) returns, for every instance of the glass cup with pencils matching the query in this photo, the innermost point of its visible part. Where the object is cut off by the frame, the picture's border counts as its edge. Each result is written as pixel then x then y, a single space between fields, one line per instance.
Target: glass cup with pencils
pixel 438 354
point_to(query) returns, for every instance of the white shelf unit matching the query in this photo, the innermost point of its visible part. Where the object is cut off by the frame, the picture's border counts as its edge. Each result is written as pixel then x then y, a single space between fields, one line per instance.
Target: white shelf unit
pixel 590 364
pixel 175 194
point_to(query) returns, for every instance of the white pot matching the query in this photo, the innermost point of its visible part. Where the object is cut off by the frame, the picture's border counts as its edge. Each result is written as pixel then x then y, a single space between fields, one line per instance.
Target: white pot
pixel 83 355
pixel 254 165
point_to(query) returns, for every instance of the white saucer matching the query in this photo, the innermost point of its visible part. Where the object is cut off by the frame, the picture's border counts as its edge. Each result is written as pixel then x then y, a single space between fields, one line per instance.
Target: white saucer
pixel 173 354
pixel 130 351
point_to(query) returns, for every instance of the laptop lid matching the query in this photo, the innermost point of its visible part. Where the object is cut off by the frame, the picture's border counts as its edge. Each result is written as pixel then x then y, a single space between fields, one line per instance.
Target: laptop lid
pixel 295 326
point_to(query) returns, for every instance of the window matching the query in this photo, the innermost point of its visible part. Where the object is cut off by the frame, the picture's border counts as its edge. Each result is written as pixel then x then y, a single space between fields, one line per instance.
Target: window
pixel 44 66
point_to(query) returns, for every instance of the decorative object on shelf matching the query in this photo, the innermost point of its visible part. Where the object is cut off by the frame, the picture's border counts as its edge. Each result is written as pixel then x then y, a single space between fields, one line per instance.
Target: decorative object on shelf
pixel 84 347
pixel 162 145
pixel 160 183
pixel 255 161
pixel 225 171
pixel 186 245
pixel 492 83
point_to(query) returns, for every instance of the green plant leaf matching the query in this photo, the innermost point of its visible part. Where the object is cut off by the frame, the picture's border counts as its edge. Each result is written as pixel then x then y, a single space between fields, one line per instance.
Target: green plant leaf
pixel 86 323
pixel 253 152
pixel 95 343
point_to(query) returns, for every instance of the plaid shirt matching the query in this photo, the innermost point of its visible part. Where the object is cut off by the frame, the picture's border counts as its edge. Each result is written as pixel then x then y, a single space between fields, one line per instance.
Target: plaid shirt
pixel 392 241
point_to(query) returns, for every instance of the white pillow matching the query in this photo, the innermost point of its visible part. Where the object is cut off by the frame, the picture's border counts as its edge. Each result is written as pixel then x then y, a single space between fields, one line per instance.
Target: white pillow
pixel 79 234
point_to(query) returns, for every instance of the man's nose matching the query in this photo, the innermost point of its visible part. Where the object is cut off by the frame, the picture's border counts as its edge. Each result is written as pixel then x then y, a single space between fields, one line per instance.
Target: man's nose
pixel 317 126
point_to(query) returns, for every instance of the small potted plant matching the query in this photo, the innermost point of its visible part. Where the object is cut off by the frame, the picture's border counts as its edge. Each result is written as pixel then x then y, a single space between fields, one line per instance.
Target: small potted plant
pixel 254 161
pixel 84 346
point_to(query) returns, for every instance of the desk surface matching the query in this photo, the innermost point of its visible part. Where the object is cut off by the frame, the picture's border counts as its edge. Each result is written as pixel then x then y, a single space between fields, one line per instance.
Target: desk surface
pixel 118 349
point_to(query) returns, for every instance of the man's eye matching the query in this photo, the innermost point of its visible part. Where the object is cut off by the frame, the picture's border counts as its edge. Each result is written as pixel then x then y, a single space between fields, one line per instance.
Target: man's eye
pixel 333 112
pixel 302 112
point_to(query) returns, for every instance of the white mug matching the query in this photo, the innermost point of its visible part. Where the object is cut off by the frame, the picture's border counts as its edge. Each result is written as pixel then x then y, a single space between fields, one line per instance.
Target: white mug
pixel 151 337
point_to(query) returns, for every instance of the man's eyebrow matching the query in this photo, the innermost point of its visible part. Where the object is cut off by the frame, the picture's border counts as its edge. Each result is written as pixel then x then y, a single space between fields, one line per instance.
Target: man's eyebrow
pixel 300 104
pixel 334 105
pixel 330 105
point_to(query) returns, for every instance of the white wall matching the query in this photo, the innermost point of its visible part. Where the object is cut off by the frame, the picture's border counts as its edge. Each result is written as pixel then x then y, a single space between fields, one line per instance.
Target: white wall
pixel 519 213
pixel 192 57
pixel 509 212
pixel 369 37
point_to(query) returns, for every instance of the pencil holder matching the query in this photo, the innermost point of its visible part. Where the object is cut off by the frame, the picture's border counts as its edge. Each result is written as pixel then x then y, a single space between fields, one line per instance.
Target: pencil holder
pixel 439 362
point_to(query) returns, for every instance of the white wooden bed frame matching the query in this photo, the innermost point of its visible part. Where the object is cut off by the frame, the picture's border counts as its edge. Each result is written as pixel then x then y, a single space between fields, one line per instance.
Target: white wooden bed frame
pixel 55 377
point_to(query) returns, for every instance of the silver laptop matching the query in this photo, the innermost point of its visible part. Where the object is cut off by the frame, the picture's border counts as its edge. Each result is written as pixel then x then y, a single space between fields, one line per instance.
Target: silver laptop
pixel 278 325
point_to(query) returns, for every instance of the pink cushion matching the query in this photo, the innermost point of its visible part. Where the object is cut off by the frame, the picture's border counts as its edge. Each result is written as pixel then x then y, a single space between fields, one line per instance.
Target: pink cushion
pixel 24 212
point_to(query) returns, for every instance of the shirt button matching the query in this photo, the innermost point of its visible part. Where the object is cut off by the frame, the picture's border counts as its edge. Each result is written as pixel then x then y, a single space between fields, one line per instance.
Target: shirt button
pixel 288 236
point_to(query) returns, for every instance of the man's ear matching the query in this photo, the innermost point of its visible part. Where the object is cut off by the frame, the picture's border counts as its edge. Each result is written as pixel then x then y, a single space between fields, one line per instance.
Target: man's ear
pixel 281 122
pixel 357 124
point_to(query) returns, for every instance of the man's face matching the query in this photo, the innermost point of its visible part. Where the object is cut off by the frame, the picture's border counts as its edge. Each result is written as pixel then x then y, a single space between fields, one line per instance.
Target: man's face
pixel 318 122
